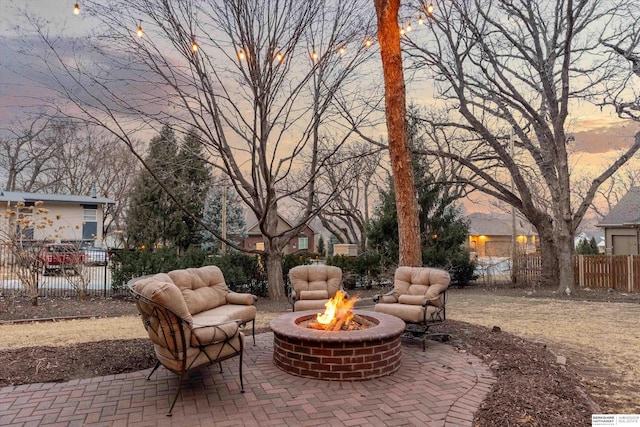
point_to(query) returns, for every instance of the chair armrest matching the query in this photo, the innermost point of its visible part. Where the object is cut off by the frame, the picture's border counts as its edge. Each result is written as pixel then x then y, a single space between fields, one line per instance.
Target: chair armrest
pixel 441 299
pixel 292 296
pixel 387 298
pixel 241 298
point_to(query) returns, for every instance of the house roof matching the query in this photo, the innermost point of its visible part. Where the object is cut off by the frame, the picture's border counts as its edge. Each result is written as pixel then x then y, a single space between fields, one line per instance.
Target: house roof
pixel 491 224
pixel 626 212
pixel 253 228
pixel 20 196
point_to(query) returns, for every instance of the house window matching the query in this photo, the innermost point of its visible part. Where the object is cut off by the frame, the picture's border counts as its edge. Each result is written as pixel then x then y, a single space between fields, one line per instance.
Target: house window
pixel 90 215
pixel 260 246
pixel 303 242
pixel 90 223
pixel 24 227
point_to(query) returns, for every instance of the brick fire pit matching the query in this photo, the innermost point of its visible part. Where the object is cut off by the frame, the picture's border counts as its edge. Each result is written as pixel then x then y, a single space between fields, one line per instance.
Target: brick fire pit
pixel 337 355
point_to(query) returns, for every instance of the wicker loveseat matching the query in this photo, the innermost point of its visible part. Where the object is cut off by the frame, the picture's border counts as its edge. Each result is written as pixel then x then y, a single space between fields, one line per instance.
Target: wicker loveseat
pixel 192 318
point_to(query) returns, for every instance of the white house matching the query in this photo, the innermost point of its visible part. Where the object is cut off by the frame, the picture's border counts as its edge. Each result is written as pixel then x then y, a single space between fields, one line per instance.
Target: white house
pixel 55 217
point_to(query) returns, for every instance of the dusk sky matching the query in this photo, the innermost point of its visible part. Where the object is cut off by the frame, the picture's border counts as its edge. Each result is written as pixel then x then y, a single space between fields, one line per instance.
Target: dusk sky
pixel 598 134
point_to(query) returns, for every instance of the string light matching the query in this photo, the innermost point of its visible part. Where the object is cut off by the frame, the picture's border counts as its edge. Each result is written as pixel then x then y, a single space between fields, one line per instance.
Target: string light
pixel 420 20
pixel 242 55
pixel 409 27
pixel 342 50
pixel 140 32
pixel 314 55
pixel 194 45
pixel 367 42
pixel 402 31
pixel 429 9
pixel 76 9
pixel 279 56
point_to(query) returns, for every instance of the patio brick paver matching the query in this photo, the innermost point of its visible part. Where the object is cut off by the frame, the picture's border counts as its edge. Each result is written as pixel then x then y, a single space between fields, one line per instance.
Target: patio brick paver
pixel 438 387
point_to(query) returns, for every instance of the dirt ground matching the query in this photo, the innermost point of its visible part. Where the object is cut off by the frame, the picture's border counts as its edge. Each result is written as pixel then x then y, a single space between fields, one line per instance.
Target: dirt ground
pixel 517 332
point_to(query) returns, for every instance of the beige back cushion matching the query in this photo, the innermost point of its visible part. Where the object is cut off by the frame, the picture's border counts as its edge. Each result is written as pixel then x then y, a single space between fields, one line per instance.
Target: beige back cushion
pixel 202 288
pixel 423 281
pixel 315 278
pixel 160 289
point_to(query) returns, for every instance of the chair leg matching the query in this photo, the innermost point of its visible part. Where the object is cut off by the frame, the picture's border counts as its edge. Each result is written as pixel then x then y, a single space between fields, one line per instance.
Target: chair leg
pixel 175 398
pixel 153 370
pixel 240 368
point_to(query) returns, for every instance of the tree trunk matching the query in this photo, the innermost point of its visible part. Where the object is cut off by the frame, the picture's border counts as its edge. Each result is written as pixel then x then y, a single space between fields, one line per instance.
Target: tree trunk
pixel 550 270
pixel 406 203
pixel 564 253
pixel 273 262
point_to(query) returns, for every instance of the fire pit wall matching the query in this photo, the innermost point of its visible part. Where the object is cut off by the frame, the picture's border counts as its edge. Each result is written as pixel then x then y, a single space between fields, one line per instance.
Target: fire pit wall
pixel 337 355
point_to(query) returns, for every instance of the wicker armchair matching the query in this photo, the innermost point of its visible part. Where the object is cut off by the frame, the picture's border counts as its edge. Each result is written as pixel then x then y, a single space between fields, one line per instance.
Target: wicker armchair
pixel 419 298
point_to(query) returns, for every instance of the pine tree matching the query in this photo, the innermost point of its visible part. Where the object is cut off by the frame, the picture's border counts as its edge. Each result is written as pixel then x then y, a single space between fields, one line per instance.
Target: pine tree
pixel 194 179
pixel 212 217
pixel 321 245
pixel 151 220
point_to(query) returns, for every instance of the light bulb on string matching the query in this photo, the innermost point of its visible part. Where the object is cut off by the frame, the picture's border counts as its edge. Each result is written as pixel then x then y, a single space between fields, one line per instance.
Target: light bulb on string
pixel 342 50
pixel 429 9
pixel 76 9
pixel 420 20
pixel 408 27
pixel 314 55
pixel 140 32
pixel 402 31
pixel 279 56
pixel 194 45
pixel 367 42
pixel 242 55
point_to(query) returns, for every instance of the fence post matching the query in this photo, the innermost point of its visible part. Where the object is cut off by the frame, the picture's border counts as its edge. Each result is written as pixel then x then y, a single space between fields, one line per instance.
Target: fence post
pixel 581 270
pixel 630 273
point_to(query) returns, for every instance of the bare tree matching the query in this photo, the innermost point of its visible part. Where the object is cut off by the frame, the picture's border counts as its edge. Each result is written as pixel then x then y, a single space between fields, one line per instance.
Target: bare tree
pixel 256 79
pixel 25 153
pixel 399 152
pixel 350 187
pixel 505 66
pixel 54 155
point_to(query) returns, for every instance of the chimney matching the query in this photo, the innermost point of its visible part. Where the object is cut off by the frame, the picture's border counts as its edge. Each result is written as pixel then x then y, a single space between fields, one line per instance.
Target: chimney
pixel 94 190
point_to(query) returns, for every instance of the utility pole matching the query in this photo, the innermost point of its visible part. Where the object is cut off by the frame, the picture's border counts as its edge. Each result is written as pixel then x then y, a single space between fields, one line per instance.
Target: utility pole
pixel 514 242
pixel 223 247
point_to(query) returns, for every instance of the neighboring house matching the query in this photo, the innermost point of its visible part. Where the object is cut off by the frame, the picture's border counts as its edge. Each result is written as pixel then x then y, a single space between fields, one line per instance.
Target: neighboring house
pixel 587 235
pixel 491 235
pixel 305 242
pixel 622 225
pixel 66 218
pixel 346 249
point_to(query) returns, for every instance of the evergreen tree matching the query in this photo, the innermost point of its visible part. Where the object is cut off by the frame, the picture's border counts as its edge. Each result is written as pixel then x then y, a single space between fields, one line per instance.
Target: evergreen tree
pixel 587 247
pixel 151 220
pixel 443 231
pixel 321 247
pixel 194 178
pixel 212 217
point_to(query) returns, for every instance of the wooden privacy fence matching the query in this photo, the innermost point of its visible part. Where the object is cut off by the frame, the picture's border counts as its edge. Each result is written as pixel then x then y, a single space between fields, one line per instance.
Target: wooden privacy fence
pixel 619 272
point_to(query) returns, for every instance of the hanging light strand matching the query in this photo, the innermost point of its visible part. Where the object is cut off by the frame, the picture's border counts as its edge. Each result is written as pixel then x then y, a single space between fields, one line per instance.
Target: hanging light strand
pixel 76 9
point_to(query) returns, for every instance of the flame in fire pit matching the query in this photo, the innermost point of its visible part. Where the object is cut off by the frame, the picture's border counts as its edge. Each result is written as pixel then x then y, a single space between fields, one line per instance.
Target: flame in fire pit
pixel 338 312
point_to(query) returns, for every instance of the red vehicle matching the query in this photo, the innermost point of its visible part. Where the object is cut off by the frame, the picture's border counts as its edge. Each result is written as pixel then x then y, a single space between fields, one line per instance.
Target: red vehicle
pixel 60 257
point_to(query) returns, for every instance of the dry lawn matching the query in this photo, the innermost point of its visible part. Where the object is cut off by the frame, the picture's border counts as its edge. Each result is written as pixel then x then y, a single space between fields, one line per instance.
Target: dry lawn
pixel 601 339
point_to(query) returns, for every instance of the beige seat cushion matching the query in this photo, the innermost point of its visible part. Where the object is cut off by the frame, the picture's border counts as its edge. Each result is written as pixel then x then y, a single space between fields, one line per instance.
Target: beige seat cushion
pixel 408 313
pixel 309 304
